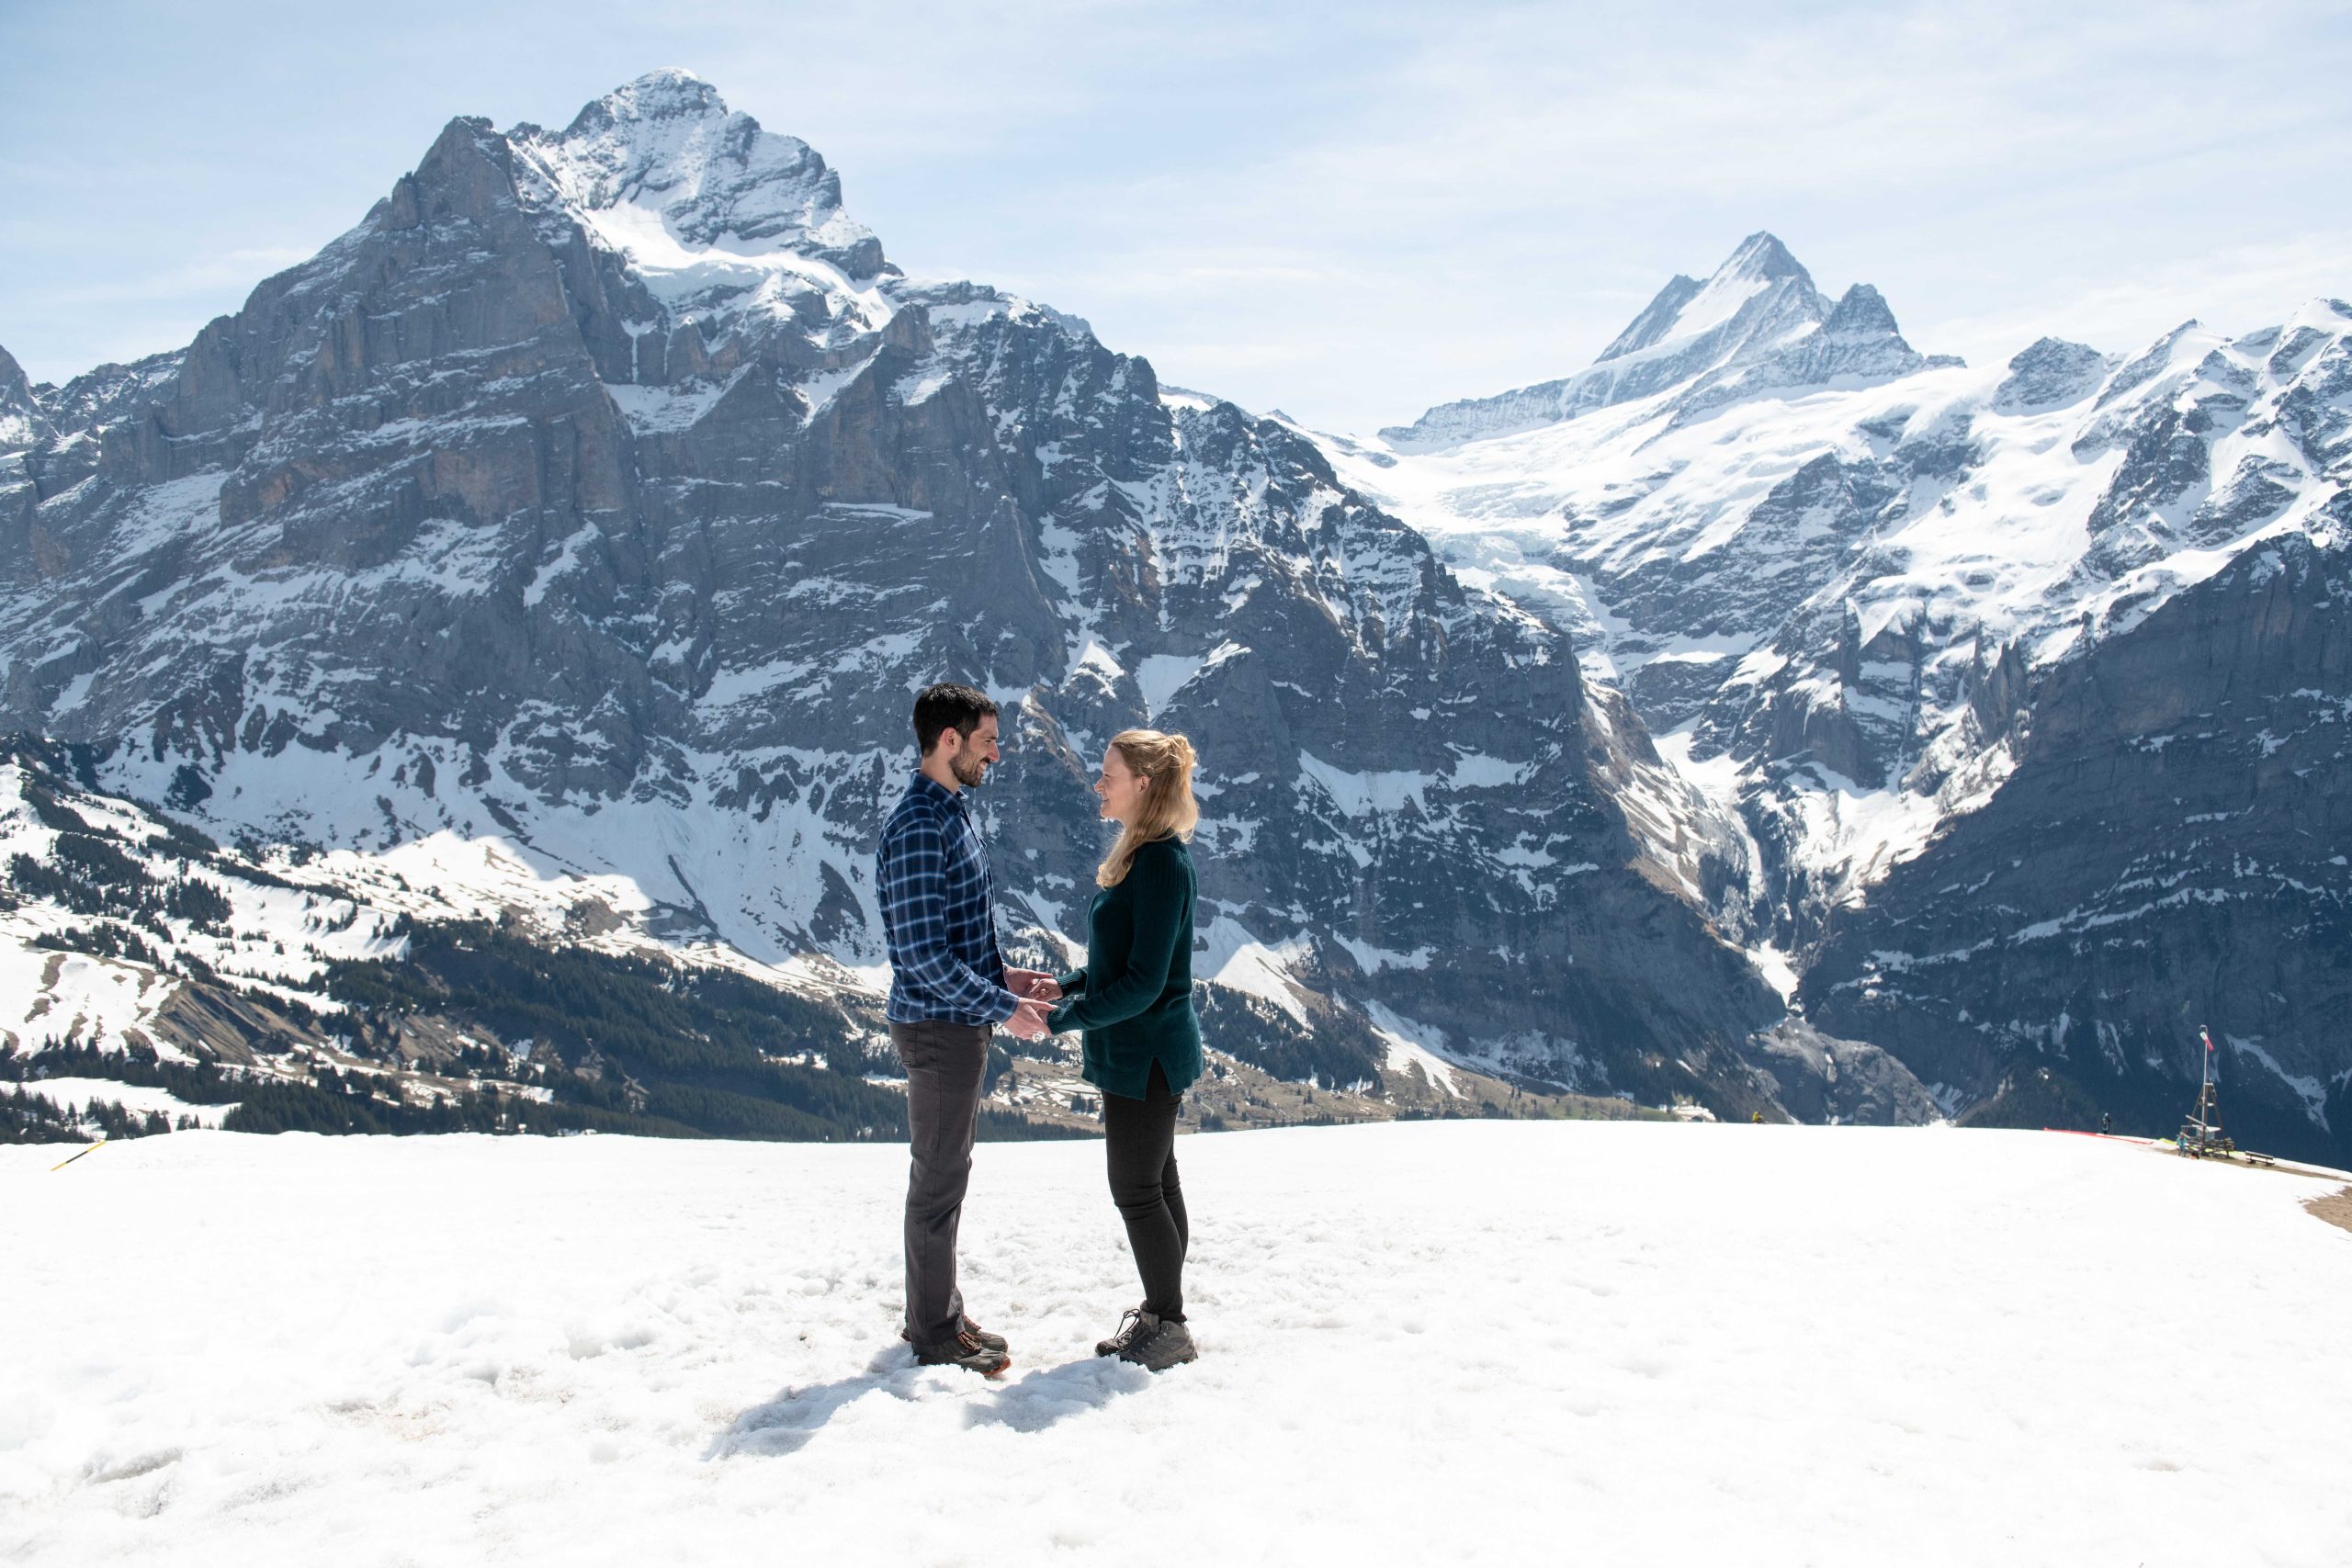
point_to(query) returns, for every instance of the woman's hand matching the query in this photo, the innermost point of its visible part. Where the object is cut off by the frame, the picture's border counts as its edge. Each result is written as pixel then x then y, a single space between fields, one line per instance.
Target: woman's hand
pixel 1034 985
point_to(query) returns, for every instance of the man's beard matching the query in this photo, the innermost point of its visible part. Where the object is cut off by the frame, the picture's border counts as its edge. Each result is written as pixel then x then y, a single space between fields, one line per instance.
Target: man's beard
pixel 968 771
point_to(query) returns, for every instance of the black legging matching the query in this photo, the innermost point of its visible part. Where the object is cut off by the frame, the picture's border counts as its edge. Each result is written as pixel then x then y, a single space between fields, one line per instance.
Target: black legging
pixel 1139 1136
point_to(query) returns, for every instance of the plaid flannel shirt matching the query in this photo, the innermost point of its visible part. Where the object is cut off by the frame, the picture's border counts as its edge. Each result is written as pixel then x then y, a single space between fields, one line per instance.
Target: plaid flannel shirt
pixel 938 912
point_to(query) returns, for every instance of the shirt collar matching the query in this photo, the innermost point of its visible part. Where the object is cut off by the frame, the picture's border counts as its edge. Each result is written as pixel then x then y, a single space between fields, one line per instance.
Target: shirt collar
pixel 932 790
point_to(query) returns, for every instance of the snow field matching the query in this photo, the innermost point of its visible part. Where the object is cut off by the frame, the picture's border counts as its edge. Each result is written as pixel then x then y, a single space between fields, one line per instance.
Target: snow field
pixel 1464 1342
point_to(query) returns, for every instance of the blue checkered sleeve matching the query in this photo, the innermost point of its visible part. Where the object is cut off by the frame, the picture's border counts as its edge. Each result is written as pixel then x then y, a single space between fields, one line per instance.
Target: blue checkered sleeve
pixel 924 924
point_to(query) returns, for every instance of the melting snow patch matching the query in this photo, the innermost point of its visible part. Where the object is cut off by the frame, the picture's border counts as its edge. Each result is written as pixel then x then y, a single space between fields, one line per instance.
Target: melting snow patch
pixel 1163 676
pixel 1412 1044
pixel 1359 794
pixel 1230 956
pixel 2310 1090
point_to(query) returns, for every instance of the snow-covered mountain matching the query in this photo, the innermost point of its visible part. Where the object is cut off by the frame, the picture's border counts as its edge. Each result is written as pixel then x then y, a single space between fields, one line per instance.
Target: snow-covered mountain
pixel 602 495
pixel 1756 324
pixel 1840 581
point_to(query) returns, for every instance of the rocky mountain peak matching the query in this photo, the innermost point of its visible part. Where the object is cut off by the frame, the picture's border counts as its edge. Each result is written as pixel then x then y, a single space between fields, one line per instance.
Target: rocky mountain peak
pixel 1757 304
pixel 2049 373
pixel 1762 258
pixel 1759 289
pixel 670 93
pixel 661 169
pixel 1861 311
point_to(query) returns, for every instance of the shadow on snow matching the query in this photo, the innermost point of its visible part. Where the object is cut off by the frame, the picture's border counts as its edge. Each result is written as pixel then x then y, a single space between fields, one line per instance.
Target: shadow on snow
pixel 1030 1402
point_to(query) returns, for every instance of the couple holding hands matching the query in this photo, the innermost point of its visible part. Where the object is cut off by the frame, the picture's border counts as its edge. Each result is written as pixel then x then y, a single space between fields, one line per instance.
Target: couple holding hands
pixel 1133 1001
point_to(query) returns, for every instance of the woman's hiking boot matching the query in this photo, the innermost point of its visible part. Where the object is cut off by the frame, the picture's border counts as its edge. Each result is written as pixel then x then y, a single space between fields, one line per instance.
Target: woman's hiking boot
pixel 964 1350
pixel 1149 1341
pixel 1122 1336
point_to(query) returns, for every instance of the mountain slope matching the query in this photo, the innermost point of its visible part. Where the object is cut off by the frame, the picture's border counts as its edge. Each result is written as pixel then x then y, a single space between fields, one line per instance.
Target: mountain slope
pixel 2169 855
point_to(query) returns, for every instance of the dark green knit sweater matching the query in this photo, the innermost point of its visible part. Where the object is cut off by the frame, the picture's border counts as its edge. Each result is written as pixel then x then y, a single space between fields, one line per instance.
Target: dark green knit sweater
pixel 1134 998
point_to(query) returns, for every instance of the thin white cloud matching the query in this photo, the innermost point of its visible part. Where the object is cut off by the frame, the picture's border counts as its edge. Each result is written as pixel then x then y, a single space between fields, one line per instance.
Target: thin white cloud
pixel 2234 289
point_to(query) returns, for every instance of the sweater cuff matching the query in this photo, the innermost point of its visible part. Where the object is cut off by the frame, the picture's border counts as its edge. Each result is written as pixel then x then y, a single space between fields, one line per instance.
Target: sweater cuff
pixel 1071 983
pixel 1057 1021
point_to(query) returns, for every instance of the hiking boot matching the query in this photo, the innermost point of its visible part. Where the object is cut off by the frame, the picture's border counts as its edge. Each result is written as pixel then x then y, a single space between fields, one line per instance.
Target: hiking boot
pixel 1153 1343
pixel 965 1350
pixel 993 1341
pixel 1122 1337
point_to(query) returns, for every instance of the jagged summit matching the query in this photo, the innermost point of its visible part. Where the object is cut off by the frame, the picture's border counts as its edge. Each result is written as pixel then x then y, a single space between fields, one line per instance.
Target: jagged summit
pixel 1762 257
pixel 1756 322
pixel 664 172
pixel 670 92
pixel 1759 285
pixel 1861 310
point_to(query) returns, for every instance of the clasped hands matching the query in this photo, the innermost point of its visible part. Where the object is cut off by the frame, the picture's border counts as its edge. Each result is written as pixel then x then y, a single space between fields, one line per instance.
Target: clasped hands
pixel 1038 993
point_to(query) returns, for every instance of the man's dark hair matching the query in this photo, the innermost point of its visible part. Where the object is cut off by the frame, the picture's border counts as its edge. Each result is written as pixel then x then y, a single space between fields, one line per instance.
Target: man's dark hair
pixel 947 707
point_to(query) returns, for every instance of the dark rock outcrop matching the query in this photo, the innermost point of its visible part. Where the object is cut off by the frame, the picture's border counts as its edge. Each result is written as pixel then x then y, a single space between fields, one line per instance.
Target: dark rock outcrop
pixel 2170 854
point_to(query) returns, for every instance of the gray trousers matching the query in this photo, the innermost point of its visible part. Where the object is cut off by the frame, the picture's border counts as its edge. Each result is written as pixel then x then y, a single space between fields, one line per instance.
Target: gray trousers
pixel 945 1064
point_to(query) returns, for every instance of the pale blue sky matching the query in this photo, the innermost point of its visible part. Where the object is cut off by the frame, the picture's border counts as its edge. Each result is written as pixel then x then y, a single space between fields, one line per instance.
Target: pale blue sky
pixel 1349 212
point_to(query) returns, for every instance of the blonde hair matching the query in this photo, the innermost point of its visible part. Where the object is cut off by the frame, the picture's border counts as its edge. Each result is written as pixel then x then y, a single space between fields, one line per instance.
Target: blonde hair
pixel 1165 763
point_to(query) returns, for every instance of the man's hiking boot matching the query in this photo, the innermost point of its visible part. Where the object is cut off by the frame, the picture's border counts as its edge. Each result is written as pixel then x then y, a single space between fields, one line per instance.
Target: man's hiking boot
pixel 966 1351
pixel 993 1341
pixel 1149 1341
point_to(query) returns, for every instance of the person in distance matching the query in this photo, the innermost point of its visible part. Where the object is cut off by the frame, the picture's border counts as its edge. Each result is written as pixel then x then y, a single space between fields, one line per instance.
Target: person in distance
pixel 1133 1001
pixel 949 987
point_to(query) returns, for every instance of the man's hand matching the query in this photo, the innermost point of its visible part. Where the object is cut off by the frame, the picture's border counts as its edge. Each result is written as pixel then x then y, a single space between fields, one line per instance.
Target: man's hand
pixel 1028 1021
pixel 1033 984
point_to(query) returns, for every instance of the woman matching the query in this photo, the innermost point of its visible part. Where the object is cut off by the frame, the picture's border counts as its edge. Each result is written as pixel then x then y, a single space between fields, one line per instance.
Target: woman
pixel 1133 999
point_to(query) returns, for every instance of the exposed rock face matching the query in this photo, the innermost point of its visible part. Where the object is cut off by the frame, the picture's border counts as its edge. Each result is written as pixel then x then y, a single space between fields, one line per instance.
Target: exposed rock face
pixel 1858 341
pixel 1819 1078
pixel 22 421
pixel 607 492
pixel 2171 854
pixel 2051 373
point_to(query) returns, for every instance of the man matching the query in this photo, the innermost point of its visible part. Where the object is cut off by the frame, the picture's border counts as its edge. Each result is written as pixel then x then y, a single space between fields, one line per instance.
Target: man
pixel 949 987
